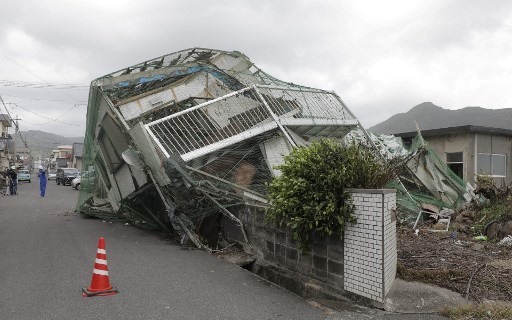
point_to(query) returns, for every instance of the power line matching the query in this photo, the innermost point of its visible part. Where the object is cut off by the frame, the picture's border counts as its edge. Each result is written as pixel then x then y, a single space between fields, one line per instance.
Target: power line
pixel 41 85
pixel 62 115
pixel 40 99
pixel 51 120
pixel 35 75
pixel 17 131
pixel 46 83
pixel 22 67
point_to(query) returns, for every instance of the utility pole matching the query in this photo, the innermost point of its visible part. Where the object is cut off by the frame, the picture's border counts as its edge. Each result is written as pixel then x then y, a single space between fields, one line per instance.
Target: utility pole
pixel 15 137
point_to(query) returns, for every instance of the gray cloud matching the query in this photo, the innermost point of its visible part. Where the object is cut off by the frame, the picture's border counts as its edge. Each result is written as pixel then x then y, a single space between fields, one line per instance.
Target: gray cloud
pixel 380 57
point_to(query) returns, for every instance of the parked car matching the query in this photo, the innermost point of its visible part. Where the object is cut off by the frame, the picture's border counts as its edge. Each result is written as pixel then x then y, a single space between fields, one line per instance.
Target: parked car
pixel 76 183
pixel 66 175
pixel 88 177
pixel 52 174
pixel 23 175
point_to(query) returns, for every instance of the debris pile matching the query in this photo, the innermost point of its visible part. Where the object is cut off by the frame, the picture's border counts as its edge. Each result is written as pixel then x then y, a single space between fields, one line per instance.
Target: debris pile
pixel 472 255
pixel 187 141
pixel 507 241
pixel 478 270
pixel 492 217
pixel 428 186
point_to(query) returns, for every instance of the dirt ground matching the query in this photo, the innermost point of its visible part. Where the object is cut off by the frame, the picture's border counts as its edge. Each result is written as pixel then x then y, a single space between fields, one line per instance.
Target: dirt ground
pixel 478 270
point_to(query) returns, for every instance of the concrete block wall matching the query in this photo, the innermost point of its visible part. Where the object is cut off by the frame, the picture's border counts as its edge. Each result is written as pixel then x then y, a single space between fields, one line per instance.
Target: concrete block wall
pixel 276 245
pixel 370 244
pixel 363 263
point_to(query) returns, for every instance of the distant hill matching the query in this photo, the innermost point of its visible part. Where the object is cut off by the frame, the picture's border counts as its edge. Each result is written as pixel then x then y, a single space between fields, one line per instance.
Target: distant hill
pixel 42 143
pixel 429 116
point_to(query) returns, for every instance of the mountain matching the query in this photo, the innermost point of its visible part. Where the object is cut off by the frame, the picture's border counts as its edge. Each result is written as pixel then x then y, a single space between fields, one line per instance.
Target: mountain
pixel 42 143
pixel 429 116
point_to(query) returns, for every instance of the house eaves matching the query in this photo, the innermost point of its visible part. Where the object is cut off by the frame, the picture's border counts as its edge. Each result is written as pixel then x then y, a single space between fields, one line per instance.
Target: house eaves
pixel 459 129
pixel 6 120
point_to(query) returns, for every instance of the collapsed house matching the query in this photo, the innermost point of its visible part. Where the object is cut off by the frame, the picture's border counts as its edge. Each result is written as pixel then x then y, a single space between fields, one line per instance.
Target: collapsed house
pixel 185 140
pixel 178 141
pixel 428 187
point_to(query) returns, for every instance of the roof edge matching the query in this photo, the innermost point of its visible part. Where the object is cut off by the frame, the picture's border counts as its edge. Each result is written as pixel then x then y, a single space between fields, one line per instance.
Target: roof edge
pixel 458 129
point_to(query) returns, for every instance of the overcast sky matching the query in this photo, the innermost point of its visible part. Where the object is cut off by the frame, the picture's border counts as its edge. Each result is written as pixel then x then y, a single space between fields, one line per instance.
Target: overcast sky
pixel 381 57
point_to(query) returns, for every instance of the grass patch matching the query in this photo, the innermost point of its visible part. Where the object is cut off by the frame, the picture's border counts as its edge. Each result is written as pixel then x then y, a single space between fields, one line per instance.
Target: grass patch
pixel 486 311
pixel 438 276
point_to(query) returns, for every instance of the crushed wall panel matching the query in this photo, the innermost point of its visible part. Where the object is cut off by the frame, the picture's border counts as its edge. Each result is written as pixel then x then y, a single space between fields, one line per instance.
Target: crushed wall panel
pixel 150 155
pixel 139 176
pixel 197 85
pixel 274 151
pixel 112 199
pixel 231 63
pixel 124 180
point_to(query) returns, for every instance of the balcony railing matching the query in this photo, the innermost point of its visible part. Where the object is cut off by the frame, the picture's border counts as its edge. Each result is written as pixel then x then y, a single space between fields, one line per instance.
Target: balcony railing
pixel 243 114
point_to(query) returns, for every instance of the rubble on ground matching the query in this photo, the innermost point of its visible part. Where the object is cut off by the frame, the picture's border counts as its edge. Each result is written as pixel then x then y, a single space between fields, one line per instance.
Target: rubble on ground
pixel 473 258
pixel 478 270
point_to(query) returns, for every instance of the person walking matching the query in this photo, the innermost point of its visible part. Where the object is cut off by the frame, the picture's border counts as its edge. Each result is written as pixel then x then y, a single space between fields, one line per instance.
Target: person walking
pixel 13 181
pixel 3 182
pixel 42 181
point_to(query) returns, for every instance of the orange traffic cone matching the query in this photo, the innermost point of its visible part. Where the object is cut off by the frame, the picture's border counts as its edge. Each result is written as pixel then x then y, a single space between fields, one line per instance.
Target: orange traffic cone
pixel 100 284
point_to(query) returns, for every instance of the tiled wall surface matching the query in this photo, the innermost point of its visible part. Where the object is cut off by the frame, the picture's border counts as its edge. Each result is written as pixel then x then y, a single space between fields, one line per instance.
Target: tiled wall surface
pixel 370 244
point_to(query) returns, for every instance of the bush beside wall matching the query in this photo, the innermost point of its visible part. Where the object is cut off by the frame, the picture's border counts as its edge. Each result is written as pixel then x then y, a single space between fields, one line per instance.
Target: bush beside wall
pixel 364 263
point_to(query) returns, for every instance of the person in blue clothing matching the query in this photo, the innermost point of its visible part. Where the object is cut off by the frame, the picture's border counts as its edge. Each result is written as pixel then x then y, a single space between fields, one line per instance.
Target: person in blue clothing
pixel 42 181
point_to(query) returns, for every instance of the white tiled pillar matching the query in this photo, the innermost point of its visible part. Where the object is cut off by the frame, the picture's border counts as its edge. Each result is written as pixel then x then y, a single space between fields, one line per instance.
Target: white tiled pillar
pixel 370 244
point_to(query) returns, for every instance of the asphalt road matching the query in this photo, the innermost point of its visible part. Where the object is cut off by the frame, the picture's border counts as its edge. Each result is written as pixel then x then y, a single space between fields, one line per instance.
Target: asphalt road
pixel 47 255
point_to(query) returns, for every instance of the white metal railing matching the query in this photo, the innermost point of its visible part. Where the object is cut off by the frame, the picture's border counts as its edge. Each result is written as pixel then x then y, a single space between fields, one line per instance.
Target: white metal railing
pixel 240 115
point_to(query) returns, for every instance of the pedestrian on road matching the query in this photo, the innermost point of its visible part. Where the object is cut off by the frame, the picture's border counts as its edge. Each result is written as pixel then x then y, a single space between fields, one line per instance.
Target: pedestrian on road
pixel 42 181
pixel 3 182
pixel 13 181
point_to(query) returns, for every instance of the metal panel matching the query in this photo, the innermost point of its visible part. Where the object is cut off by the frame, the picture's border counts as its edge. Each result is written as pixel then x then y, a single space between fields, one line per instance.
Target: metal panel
pixel 172 94
pixel 146 147
pixel 275 150
pixel 139 176
pixel 124 180
pixel 102 110
pixel 231 63
pixel 112 199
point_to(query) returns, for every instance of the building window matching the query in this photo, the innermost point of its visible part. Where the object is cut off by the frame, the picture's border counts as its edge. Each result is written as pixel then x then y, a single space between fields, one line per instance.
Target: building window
pixel 492 164
pixel 455 162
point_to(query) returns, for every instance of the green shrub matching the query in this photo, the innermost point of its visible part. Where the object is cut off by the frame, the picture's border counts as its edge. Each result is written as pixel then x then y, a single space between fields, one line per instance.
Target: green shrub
pixel 493 211
pixel 309 195
pixel 496 208
pixel 486 186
